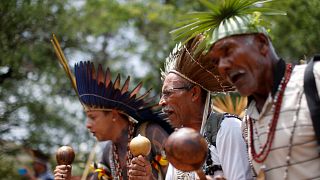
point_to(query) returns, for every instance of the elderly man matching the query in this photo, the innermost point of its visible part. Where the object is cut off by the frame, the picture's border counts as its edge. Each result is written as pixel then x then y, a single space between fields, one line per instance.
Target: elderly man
pixel 186 89
pixel 280 132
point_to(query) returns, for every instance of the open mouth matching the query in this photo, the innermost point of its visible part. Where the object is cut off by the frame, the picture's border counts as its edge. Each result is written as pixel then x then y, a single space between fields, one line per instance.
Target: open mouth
pixel 234 76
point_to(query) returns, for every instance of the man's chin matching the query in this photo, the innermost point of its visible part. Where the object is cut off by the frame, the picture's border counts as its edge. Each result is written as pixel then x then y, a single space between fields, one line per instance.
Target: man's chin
pixel 244 90
pixel 174 124
pixel 98 139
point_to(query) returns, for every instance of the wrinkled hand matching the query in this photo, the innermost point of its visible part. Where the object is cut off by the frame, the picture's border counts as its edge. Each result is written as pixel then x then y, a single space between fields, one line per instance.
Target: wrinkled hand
pixel 62 172
pixel 140 169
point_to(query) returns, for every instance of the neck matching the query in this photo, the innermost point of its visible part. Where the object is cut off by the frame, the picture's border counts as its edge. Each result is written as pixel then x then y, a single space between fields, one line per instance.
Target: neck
pixel 196 125
pixel 195 121
pixel 122 137
pixel 122 147
pixel 270 83
pixel 260 100
pixel 121 129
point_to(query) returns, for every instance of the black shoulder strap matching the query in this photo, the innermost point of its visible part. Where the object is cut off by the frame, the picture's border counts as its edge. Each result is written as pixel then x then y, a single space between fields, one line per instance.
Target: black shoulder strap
pixel 212 127
pixel 312 97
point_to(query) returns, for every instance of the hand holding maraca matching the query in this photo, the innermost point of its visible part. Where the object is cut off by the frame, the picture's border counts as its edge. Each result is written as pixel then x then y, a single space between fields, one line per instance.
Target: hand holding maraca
pixel 140 167
pixel 64 156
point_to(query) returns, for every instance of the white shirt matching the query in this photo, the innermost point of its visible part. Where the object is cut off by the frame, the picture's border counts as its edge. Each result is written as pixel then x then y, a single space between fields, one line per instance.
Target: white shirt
pixel 231 151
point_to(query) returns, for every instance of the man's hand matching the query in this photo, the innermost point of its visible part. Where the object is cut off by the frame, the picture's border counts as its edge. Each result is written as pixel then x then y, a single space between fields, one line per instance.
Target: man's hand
pixel 62 172
pixel 140 169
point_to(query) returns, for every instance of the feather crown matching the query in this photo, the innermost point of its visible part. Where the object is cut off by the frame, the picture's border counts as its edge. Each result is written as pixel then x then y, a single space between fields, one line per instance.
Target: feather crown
pixel 97 92
pixel 194 67
pixel 226 18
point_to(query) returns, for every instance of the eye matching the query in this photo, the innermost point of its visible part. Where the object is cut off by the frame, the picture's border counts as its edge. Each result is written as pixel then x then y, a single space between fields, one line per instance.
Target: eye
pixel 166 93
pixel 228 49
pixel 91 117
pixel 215 61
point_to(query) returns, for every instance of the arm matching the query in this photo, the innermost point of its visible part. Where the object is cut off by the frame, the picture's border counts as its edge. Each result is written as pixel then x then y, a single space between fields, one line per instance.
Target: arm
pixel 232 150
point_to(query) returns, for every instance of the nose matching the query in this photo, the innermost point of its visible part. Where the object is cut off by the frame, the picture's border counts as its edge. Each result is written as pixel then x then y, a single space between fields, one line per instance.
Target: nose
pixel 88 124
pixel 162 101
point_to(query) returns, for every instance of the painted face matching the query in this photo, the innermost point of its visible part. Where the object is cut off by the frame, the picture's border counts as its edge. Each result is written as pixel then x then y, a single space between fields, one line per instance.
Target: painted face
pixel 175 99
pixel 240 61
pixel 100 124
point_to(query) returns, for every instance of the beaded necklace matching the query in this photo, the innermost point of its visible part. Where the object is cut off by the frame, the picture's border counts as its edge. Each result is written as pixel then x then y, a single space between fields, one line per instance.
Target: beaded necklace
pixel 277 101
pixel 116 161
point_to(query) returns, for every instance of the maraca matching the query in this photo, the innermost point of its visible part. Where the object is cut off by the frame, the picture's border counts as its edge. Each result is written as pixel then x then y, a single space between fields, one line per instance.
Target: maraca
pixel 140 145
pixel 187 150
pixel 65 155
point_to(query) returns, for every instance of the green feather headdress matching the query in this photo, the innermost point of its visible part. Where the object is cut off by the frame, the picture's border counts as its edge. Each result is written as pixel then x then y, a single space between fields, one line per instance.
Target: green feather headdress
pixel 226 18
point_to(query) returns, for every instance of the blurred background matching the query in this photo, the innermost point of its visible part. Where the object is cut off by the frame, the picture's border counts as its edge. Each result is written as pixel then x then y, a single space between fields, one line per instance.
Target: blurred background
pixel 38 107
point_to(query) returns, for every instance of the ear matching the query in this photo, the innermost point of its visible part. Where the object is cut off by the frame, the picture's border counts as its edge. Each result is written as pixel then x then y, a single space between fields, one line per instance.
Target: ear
pixel 263 43
pixel 115 114
pixel 196 93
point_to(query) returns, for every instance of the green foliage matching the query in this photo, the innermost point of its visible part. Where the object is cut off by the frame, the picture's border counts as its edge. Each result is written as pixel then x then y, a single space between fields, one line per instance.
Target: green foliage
pixel 296 36
pixel 38 108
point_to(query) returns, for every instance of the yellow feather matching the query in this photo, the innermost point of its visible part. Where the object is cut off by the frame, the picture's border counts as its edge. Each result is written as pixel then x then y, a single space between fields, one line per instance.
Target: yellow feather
pixel 63 62
pixel 226 104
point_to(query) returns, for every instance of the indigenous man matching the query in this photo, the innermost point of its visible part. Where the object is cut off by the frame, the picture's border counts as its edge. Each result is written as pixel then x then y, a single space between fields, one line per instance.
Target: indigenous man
pixel 187 84
pixel 279 129
pixel 116 114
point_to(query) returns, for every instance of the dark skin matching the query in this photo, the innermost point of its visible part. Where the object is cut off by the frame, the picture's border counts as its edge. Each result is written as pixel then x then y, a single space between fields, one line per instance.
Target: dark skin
pixel 114 126
pixel 247 62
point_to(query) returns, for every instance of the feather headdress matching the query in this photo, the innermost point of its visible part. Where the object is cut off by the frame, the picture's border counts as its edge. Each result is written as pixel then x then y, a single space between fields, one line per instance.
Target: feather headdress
pixel 226 18
pixel 194 67
pixel 97 91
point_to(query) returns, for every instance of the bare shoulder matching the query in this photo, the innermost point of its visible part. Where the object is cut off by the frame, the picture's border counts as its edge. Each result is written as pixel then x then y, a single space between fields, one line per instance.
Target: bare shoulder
pixel 157 135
